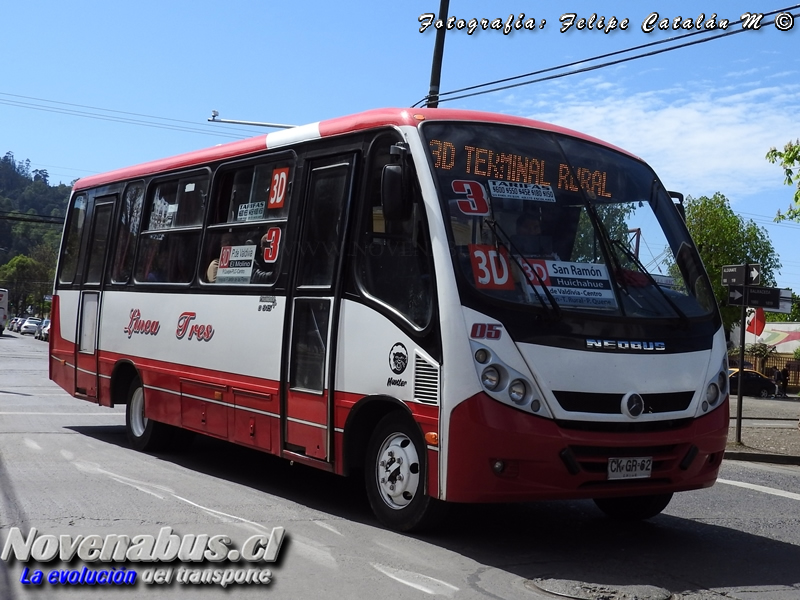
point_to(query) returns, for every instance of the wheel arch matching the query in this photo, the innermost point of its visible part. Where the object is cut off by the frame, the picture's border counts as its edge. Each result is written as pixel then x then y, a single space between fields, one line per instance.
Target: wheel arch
pixel 361 422
pixel 124 372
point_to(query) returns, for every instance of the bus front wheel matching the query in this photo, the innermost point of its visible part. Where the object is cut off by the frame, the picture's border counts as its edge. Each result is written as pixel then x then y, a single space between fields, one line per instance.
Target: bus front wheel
pixel 633 508
pixel 395 473
pixel 143 434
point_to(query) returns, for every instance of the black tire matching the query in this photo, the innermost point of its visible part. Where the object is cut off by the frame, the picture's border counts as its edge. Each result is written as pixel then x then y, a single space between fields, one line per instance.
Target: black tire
pixel 144 434
pixel 763 393
pixel 396 491
pixel 633 508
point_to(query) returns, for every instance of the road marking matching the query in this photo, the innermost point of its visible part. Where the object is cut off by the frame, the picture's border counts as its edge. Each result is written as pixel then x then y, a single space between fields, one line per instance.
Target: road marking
pixel 142 486
pixel 31 444
pixel 423 583
pixel 761 488
pixel 326 526
pixel 314 551
pixel 219 514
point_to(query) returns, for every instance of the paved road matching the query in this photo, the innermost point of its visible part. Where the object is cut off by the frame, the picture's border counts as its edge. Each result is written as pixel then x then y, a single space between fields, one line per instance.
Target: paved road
pixel 65 468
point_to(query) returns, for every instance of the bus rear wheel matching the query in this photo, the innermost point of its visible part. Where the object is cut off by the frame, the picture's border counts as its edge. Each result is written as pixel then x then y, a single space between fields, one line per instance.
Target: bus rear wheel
pixel 395 474
pixel 633 508
pixel 143 434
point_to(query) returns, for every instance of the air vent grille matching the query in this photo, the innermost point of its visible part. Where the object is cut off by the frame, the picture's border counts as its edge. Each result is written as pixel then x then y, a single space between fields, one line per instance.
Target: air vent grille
pixel 426 381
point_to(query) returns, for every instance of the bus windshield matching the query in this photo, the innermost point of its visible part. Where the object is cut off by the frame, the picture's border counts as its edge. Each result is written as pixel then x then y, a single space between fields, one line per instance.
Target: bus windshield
pixel 551 221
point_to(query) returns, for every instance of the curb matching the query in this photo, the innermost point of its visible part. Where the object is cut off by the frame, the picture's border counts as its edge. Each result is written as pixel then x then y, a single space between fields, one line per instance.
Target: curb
pixel 776 459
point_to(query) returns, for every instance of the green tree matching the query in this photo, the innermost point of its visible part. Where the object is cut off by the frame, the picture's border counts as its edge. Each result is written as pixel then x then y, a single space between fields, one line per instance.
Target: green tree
pixel 614 218
pixel 724 238
pixel 789 159
pixel 793 317
pixel 761 352
pixel 27 281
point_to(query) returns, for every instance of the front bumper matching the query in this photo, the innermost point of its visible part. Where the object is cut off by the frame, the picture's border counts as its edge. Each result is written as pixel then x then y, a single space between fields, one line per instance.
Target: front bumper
pixel 543 460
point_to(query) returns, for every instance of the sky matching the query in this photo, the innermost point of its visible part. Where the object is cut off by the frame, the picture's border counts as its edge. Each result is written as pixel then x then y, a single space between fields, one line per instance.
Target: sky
pixel 88 86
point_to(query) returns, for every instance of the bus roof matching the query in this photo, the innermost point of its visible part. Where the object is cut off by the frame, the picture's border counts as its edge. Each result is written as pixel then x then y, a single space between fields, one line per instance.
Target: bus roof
pixel 365 120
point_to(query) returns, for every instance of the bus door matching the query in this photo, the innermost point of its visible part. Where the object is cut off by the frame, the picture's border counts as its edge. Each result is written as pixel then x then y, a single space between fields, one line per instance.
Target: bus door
pixel 86 371
pixel 309 374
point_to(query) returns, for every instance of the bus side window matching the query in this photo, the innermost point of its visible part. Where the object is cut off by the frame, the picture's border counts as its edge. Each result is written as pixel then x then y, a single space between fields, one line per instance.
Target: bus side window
pixel 240 206
pixel 191 201
pixel 247 224
pixel 169 245
pixel 395 254
pixel 72 245
pixel 129 219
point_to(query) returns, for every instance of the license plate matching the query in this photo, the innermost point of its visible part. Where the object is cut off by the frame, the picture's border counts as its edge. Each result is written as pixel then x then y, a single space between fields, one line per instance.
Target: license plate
pixel 630 468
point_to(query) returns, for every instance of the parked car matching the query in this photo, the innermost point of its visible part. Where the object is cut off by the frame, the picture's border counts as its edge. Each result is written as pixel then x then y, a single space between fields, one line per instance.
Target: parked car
pixel 15 323
pixel 30 325
pixel 38 333
pixel 755 384
pixel 46 332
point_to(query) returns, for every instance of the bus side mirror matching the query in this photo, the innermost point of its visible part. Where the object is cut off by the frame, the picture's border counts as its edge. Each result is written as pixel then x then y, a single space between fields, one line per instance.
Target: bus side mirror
pixel 394 199
pixel 679 204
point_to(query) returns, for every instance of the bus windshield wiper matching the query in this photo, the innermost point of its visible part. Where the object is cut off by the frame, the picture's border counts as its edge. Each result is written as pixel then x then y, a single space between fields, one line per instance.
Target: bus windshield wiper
pixel 635 260
pixel 509 247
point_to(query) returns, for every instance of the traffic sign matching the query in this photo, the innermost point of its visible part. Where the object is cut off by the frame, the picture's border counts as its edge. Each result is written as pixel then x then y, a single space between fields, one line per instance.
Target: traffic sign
pixel 738 275
pixel 735 295
pixel 764 297
pixel 786 302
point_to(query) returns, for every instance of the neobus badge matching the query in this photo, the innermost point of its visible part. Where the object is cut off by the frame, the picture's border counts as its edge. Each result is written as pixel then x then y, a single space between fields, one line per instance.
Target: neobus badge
pixel 625 345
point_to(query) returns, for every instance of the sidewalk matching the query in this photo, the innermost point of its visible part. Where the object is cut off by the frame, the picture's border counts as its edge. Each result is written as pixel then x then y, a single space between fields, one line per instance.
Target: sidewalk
pixel 769 430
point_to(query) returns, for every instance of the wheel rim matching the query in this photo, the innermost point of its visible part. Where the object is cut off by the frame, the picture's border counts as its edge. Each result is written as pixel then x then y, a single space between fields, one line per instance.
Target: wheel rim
pixel 397 472
pixel 138 420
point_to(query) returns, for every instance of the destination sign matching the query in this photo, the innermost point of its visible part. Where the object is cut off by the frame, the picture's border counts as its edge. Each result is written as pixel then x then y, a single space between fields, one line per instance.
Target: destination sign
pixel 508 166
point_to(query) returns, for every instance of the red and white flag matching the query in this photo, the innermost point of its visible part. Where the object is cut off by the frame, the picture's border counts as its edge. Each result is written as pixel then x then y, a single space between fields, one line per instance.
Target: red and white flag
pixel 757 321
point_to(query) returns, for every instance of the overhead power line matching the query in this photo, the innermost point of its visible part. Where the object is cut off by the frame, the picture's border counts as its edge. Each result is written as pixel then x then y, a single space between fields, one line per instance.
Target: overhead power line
pixel 118 116
pixel 710 34
pixel 43 219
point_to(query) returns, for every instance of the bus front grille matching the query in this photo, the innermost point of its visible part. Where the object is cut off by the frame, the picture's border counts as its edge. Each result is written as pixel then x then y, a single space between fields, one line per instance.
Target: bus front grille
pixel 611 404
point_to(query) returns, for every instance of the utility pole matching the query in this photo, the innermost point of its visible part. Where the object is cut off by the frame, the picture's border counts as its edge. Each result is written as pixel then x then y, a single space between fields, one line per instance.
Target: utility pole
pixel 438 53
pixel 740 382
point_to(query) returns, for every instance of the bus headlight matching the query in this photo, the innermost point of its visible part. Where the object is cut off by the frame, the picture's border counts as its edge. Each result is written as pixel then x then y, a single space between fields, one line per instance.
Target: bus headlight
pixel 712 394
pixel 482 355
pixel 490 378
pixel 517 391
pixel 722 382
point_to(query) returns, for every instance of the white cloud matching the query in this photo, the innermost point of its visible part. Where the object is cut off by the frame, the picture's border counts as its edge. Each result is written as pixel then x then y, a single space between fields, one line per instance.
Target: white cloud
pixel 700 138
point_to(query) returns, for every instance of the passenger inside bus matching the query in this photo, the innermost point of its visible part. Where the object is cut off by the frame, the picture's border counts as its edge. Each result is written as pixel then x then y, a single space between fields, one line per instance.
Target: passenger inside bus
pixel 261 273
pixel 228 239
pixel 529 240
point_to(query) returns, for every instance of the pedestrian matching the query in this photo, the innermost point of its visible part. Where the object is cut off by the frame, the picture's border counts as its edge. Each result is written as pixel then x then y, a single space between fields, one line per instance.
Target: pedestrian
pixel 778 382
pixel 785 381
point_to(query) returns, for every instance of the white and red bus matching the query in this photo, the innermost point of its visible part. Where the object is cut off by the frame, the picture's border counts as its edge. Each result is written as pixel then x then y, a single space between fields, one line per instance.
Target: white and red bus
pixel 465 307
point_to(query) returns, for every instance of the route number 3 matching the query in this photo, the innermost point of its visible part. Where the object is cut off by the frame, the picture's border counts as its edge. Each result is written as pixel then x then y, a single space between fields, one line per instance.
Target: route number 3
pixel 475 203
pixel 273 239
